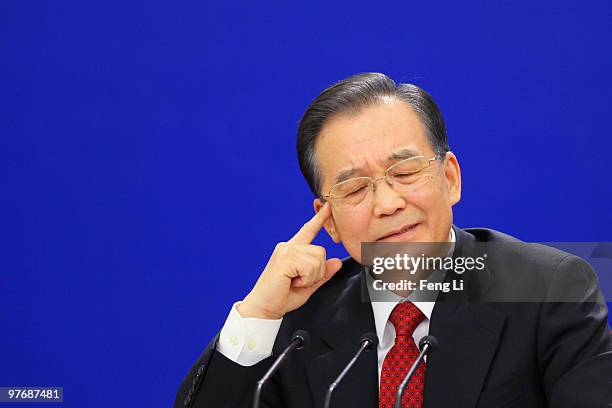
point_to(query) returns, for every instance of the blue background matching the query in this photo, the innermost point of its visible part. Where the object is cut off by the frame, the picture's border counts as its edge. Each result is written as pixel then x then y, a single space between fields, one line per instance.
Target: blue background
pixel 148 164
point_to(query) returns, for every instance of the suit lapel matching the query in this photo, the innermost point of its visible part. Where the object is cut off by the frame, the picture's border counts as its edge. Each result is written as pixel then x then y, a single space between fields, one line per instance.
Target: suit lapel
pixel 468 332
pixel 353 317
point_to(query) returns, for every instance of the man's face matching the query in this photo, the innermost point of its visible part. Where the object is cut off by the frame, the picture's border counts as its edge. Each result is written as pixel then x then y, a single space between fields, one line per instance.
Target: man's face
pixel 364 143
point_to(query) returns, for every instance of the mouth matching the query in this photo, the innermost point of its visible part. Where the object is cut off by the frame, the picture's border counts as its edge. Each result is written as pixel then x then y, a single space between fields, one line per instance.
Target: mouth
pixel 401 234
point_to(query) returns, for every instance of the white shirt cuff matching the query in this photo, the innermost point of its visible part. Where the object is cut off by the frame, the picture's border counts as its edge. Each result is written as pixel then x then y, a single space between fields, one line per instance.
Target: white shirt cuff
pixel 247 341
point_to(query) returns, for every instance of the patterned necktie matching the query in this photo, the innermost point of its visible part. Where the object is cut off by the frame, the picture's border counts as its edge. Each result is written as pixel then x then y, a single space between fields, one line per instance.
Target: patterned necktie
pixel 405 317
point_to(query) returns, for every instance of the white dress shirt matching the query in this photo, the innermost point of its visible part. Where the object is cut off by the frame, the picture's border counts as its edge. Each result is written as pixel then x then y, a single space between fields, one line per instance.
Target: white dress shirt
pixel 247 341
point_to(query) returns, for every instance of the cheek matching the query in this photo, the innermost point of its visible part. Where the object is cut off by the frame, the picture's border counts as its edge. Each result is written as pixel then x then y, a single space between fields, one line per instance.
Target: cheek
pixel 431 201
pixel 434 202
pixel 352 230
pixel 426 198
pixel 431 195
pixel 353 226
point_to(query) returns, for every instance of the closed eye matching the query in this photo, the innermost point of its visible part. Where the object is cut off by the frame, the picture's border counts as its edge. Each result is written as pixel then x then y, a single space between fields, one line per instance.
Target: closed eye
pixel 355 192
pixel 405 174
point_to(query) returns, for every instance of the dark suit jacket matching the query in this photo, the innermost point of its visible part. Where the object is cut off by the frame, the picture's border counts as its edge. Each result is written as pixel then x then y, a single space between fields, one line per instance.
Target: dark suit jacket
pixel 491 353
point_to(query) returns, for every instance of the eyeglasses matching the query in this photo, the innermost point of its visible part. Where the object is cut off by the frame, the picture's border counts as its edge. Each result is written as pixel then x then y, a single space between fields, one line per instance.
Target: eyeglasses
pixel 403 176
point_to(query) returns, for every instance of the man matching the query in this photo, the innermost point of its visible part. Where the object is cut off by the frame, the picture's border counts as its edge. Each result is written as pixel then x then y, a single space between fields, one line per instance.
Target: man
pixel 376 157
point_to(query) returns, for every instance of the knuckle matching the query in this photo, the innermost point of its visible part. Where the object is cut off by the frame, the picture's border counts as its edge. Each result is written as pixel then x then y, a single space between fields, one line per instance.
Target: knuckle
pixel 319 262
pixel 321 269
pixel 321 251
pixel 281 248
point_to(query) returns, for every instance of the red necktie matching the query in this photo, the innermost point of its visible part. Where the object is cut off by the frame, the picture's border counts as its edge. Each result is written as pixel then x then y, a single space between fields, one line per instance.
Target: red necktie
pixel 405 317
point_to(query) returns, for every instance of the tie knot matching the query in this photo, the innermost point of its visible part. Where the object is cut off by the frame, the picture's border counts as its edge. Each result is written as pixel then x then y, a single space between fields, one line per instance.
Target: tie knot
pixel 406 317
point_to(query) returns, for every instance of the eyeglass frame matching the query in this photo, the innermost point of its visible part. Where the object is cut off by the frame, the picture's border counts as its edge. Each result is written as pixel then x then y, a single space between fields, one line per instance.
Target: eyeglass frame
pixel 371 185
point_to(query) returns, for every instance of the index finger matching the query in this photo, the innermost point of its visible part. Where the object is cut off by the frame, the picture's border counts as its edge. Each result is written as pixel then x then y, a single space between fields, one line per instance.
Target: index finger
pixel 309 231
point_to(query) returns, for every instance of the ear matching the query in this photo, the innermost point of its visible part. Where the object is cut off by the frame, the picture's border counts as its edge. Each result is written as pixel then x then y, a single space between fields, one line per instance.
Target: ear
pixel 452 173
pixel 330 225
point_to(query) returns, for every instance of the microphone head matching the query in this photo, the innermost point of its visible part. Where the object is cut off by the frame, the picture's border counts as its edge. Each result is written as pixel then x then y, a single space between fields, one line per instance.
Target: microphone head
pixel 431 341
pixel 372 340
pixel 303 336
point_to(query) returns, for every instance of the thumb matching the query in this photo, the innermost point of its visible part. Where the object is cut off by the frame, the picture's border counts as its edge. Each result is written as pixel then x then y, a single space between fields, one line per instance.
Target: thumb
pixel 332 266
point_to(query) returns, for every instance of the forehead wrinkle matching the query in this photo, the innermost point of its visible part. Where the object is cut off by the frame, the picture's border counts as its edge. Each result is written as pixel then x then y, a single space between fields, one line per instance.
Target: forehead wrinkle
pixel 399 154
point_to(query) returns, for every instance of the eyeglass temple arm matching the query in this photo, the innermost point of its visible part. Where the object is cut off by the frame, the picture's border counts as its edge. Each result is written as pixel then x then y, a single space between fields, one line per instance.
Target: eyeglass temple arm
pixel 439 156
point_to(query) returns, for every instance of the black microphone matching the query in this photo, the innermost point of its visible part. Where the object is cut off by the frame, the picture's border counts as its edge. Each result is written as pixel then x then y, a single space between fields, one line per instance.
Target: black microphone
pixel 299 340
pixel 426 345
pixel 368 342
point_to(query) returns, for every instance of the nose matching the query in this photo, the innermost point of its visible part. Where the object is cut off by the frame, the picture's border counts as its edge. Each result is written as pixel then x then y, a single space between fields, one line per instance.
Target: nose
pixel 386 200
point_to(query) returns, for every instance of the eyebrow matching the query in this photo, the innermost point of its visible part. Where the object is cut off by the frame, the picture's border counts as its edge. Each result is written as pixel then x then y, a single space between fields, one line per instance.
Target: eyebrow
pixel 401 154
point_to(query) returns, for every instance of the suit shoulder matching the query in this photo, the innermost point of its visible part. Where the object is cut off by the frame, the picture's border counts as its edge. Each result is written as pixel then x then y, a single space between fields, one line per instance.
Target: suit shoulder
pixel 509 248
pixel 533 269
